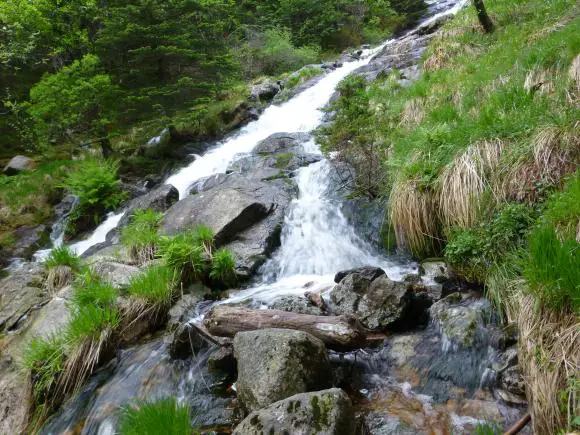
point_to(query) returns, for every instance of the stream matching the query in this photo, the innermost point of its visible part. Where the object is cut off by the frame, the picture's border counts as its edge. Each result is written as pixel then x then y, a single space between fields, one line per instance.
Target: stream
pixel 415 383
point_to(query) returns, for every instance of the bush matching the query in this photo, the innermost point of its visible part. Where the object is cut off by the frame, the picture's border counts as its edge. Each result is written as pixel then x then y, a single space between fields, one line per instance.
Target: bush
pixel 223 267
pixel 155 285
pixel 164 416
pixel 271 52
pixel 140 236
pixel 96 184
pixel 551 268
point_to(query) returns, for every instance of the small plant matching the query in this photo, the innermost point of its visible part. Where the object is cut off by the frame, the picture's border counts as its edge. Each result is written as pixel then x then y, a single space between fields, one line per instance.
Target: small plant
pixel 488 429
pixel 223 267
pixel 155 285
pixel 62 263
pixel 44 357
pixel 164 416
pixel 185 254
pixel 88 322
pixel 140 236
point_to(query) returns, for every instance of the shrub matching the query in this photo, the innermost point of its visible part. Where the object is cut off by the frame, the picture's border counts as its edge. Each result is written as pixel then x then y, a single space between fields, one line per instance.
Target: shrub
pixel 551 268
pixel 96 184
pixel 44 357
pixel 154 286
pixel 140 236
pixel 183 253
pixel 223 267
pixel 164 416
pixel 272 52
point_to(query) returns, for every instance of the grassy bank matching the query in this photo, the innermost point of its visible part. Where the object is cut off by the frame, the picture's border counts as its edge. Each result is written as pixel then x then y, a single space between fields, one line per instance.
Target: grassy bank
pixel 478 158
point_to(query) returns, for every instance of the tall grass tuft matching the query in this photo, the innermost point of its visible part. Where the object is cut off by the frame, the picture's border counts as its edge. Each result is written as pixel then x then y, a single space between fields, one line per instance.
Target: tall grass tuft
pixel 90 290
pixel 164 416
pixel 61 264
pixel 44 357
pixel 204 235
pixel 141 237
pixel 185 253
pixel 223 267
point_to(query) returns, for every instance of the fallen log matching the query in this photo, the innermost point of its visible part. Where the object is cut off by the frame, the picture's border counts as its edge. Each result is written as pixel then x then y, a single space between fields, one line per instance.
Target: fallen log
pixel 340 333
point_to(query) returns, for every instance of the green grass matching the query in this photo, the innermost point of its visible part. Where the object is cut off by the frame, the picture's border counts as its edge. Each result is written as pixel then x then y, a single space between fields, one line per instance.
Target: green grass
pixel 90 290
pixel 164 416
pixel 63 256
pixel 223 267
pixel 155 285
pixel 184 253
pixel 140 235
pixel 551 268
pixel 88 322
pixel 302 76
pixel 44 357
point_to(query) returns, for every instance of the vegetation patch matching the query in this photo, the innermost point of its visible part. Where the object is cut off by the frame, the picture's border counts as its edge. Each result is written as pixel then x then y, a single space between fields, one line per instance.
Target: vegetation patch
pixel 165 416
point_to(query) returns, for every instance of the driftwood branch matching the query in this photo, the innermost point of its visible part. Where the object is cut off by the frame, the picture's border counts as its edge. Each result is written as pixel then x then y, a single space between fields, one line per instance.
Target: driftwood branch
pixel 519 425
pixel 340 333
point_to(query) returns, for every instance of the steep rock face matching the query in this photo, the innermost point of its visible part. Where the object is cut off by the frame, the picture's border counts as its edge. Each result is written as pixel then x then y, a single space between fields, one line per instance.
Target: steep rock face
pixel 327 412
pixel 274 364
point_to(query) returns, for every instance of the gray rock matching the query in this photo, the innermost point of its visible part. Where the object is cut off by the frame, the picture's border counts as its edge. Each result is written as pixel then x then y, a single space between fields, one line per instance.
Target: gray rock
pixel 296 304
pixel 185 308
pixel 264 91
pixel 29 239
pixel 119 275
pixel 186 341
pixel 158 199
pixel 512 380
pixel 368 273
pixel 245 211
pixel 17 164
pixel 327 412
pixel 377 303
pixel 274 364
pixel 20 293
pixel 223 359
pixel 434 271
pixel 459 321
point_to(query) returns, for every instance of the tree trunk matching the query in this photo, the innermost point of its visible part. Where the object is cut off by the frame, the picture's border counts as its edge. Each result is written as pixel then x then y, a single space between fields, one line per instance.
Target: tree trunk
pixel 484 19
pixel 340 333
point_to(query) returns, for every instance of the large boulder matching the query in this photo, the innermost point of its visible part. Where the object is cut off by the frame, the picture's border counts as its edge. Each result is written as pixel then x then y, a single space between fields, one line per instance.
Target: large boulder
pixel 20 293
pixel 327 412
pixel 245 211
pixel 264 91
pixel 17 164
pixel 274 364
pixel 296 304
pixel 119 275
pixel 371 296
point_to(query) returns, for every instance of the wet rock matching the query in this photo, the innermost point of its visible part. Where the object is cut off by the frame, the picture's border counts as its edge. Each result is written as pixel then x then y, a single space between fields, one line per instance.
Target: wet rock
pixel 512 380
pixel 296 304
pixel 367 273
pixel 20 293
pixel 510 398
pixel 327 412
pixel 15 395
pixel 223 359
pixel 186 341
pixel 378 423
pixel 265 91
pixel 274 364
pixel 119 275
pixel 29 239
pixel 186 307
pixel 17 164
pixel 158 199
pixel 377 302
pixel 281 142
pixel 458 320
pixel 435 271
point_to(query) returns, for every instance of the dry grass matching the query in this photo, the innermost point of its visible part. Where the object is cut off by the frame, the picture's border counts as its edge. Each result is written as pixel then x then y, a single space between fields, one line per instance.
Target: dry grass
pixel 143 254
pixel 57 278
pixel 553 155
pixel 574 73
pixel 413 112
pixel 436 61
pixel 463 182
pixel 414 217
pixel 538 81
pixel 549 355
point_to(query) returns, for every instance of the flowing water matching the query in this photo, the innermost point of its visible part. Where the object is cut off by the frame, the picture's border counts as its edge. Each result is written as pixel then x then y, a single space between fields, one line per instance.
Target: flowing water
pixel 317 241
